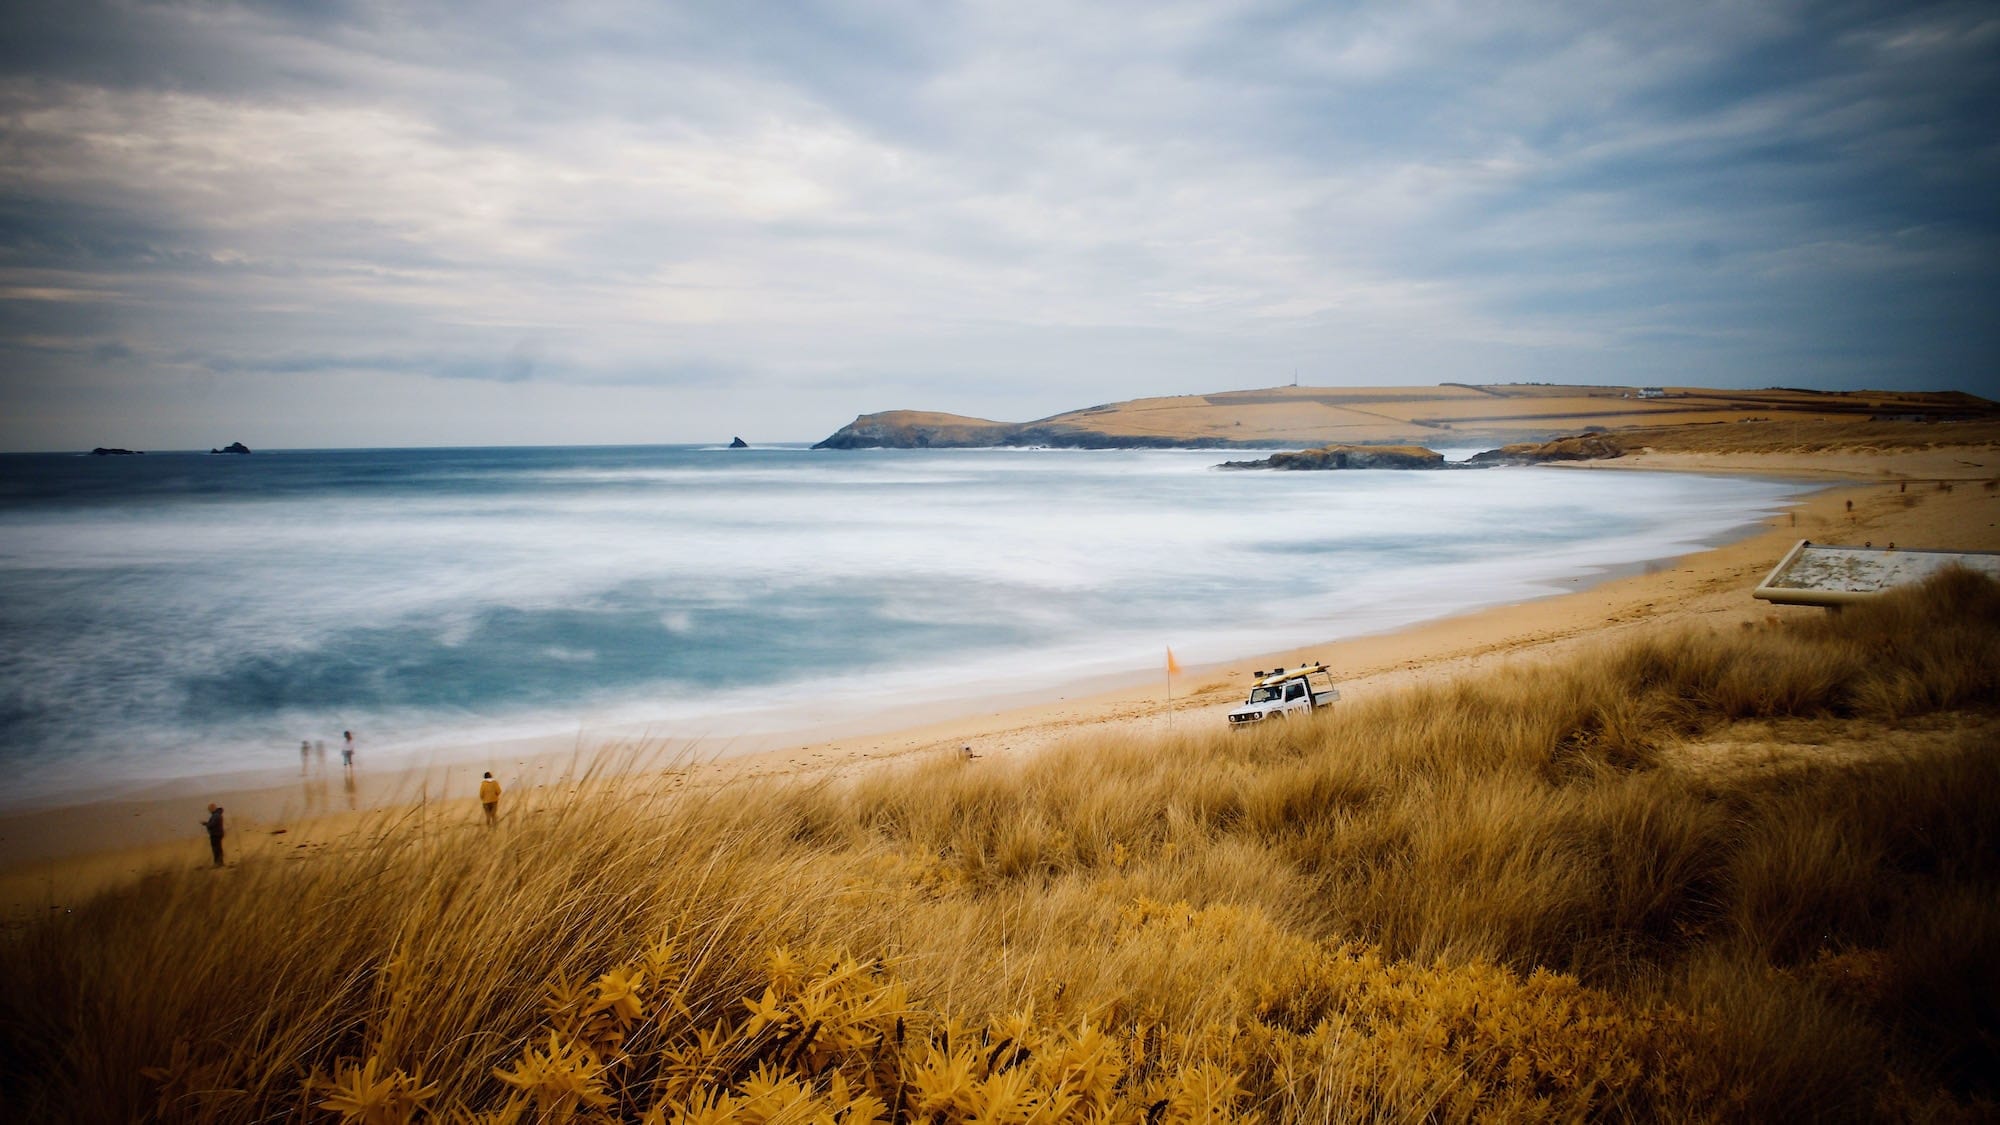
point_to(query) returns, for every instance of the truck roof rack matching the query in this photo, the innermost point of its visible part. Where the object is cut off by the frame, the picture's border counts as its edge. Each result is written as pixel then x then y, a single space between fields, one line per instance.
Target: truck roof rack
pixel 1280 675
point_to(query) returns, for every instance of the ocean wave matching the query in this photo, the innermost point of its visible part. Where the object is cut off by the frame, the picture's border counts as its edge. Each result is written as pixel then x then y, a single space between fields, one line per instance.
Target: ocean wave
pixel 174 632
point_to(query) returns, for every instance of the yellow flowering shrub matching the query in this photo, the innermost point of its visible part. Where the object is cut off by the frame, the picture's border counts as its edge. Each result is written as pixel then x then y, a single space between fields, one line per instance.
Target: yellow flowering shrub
pixel 1337 1026
pixel 827 1040
pixel 1334 1028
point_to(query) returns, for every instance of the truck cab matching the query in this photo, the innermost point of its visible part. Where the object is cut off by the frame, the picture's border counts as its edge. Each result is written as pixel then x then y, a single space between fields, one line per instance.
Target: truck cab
pixel 1281 693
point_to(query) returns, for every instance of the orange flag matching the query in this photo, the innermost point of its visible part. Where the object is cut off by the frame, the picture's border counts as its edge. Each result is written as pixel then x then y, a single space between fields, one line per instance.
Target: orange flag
pixel 1173 665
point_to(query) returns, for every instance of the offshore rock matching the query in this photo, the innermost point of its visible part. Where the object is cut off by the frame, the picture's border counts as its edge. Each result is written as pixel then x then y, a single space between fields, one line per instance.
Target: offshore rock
pixel 102 451
pixel 738 443
pixel 232 447
pixel 1350 457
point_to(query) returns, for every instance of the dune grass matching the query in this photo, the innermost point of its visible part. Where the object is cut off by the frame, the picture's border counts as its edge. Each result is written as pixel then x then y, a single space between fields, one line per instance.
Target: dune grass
pixel 1550 892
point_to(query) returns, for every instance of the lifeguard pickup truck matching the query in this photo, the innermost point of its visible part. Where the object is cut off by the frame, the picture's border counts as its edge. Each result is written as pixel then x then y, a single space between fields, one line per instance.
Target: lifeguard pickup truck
pixel 1279 693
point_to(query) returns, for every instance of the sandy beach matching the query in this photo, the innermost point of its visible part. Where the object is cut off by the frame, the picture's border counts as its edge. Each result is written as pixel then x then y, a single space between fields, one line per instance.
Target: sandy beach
pixel 53 858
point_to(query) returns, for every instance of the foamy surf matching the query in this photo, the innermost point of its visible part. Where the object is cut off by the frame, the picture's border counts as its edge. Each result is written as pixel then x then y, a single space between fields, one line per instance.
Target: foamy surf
pixel 176 616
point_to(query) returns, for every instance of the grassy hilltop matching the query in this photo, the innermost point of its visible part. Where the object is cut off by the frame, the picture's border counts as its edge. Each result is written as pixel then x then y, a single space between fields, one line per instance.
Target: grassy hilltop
pixel 1730 876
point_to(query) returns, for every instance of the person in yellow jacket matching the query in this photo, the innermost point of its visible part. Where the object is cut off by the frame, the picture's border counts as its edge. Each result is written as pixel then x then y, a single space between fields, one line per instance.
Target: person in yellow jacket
pixel 489 797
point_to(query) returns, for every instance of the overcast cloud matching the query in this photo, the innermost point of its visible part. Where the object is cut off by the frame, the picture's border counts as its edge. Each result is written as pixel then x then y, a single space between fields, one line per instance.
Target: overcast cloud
pixel 329 224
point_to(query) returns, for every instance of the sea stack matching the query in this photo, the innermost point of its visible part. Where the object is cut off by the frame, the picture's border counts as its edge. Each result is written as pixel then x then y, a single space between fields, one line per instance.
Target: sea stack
pixel 738 443
pixel 232 447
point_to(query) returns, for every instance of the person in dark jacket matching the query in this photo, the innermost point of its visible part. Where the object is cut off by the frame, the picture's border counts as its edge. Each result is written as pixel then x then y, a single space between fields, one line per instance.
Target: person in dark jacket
pixel 214 826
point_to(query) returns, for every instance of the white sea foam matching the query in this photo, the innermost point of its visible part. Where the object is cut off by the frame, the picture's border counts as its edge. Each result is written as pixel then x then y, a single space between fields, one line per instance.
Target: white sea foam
pixel 528 592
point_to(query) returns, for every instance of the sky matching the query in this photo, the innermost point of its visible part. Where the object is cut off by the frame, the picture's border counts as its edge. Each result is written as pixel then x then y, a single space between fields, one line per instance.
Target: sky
pixel 327 224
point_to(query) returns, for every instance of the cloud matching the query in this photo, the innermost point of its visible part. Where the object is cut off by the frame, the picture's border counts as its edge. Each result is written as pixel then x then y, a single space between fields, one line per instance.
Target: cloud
pixel 999 209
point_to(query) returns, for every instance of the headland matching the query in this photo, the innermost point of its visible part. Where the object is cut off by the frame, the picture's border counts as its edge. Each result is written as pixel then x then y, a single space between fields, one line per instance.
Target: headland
pixel 1454 414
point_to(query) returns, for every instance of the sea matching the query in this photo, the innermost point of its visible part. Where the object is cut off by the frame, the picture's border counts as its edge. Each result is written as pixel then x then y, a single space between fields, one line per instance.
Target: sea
pixel 182 615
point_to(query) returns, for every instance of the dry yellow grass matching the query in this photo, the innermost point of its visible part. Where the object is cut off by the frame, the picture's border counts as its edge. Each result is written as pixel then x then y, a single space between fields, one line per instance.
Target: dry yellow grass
pixel 1765 435
pixel 1508 897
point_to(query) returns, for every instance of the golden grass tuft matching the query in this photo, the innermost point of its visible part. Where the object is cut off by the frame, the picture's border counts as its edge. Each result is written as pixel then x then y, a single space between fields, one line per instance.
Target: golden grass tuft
pixel 1505 898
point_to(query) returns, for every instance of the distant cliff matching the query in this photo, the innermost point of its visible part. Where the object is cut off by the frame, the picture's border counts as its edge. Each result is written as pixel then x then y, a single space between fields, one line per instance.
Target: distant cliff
pixel 1310 417
pixel 917 429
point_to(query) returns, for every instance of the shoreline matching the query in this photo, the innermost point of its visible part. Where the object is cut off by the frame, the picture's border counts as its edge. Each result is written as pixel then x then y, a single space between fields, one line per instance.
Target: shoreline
pixel 54 857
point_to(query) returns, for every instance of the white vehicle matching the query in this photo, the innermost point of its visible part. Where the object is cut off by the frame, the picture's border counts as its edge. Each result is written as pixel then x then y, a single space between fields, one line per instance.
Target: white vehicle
pixel 1279 693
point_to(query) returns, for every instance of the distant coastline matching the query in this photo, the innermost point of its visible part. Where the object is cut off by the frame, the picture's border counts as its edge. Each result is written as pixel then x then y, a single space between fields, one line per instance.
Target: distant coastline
pixel 1448 414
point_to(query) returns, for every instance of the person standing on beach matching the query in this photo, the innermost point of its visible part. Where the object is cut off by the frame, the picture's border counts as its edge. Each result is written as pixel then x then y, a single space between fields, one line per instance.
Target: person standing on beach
pixel 305 753
pixel 214 826
pixel 489 797
pixel 347 750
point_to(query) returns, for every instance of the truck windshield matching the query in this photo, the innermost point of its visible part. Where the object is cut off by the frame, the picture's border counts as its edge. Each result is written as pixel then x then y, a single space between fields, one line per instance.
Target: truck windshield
pixel 1267 694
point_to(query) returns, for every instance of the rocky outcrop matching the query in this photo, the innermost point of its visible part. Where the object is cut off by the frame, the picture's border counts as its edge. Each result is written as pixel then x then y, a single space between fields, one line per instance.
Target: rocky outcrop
pixel 738 443
pixel 917 429
pixel 232 447
pixel 1577 447
pixel 102 451
pixel 1350 457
